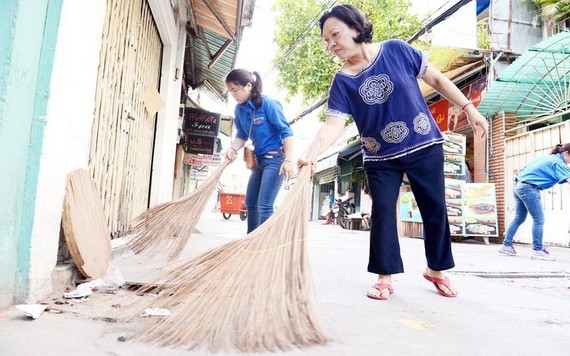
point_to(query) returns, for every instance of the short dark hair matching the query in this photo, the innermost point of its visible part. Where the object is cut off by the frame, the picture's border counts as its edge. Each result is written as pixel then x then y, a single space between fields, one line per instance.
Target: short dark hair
pixel 353 18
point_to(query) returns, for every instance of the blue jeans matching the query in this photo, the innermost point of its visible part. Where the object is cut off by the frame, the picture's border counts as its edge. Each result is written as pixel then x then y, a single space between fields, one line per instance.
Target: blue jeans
pixel 262 189
pixel 424 169
pixel 527 201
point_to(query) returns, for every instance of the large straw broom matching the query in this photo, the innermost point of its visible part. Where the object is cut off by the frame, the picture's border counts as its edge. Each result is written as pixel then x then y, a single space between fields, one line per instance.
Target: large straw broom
pixel 168 226
pixel 252 294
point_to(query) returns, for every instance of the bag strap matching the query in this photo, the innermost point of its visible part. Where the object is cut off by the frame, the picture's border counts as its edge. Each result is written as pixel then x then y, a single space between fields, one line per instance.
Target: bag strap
pixel 251 124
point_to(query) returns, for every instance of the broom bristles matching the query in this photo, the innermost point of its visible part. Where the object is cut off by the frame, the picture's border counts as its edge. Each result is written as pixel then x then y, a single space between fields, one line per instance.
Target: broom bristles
pixel 252 294
pixel 168 226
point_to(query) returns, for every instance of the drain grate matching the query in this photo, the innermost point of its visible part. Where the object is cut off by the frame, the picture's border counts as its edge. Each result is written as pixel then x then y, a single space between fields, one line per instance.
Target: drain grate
pixel 512 275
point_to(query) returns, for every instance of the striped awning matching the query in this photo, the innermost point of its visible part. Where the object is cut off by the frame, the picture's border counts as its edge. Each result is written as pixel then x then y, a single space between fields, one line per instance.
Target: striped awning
pixel 536 85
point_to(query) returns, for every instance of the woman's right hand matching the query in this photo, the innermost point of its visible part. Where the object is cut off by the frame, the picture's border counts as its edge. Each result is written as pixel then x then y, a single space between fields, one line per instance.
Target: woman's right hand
pixel 231 154
pixel 305 162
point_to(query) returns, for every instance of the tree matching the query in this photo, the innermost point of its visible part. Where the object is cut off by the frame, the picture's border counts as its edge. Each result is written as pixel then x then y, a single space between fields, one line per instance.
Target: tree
pixel 554 11
pixel 305 68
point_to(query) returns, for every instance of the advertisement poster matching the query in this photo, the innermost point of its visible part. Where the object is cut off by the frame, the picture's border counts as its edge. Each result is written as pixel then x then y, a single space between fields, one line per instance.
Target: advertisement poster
pixel 471 208
pixel 480 209
pixel 454 150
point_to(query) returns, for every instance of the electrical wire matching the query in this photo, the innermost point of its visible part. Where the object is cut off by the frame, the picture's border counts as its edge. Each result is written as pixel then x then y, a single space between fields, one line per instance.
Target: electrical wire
pixel 303 33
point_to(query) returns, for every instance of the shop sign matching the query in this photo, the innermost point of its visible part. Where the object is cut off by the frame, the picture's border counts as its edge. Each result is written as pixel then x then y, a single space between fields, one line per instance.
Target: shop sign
pixel 199 173
pixel 212 160
pixel 450 117
pixel 192 159
pixel 200 144
pixel 200 122
pixel 439 111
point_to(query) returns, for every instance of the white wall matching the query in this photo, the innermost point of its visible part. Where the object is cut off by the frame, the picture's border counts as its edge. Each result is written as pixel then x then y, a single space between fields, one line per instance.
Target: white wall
pixel 68 129
pixel 172 31
pixel 67 133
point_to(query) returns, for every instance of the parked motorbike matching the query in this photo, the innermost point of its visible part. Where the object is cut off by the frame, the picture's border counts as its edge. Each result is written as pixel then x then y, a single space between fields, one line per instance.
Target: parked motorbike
pixel 345 208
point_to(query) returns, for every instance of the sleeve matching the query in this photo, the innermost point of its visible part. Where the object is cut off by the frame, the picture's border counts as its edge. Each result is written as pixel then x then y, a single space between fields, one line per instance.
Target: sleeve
pixel 274 113
pixel 241 133
pixel 562 172
pixel 337 103
pixel 416 59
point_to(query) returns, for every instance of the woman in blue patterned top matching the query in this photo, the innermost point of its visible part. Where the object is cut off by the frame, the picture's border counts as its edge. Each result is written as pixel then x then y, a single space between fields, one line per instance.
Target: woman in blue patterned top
pixel 261 119
pixel 541 173
pixel 377 86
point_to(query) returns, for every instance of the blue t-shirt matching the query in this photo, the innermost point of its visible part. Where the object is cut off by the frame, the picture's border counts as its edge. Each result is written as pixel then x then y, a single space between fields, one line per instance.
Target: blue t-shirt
pixel 545 171
pixel 386 103
pixel 269 128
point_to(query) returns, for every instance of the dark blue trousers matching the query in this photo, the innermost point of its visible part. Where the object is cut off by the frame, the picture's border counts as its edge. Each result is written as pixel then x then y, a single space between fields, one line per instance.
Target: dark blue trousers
pixel 424 169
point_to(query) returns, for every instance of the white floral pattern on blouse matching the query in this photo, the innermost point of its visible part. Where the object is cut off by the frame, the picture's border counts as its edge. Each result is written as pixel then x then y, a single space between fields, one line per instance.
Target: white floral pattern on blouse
pixel 376 89
pixel 395 132
pixel 422 124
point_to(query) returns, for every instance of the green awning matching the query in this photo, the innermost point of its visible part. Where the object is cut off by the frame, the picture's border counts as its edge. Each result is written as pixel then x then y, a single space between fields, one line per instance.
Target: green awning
pixel 536 85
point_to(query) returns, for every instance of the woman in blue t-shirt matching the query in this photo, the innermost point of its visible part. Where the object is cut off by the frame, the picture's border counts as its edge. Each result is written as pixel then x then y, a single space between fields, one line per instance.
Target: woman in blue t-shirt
pixel 377 86
pixel 541 173
pixel 261 119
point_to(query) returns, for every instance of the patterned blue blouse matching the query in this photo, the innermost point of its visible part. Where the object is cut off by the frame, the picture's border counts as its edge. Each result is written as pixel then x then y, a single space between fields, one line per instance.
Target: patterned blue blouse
pixel 386 103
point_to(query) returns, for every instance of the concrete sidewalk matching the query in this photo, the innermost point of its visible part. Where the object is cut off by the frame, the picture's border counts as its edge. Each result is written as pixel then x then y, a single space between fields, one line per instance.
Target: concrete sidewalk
pixel 505 306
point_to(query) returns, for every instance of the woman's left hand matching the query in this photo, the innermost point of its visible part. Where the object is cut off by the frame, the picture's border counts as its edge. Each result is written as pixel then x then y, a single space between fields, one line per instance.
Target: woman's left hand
pixel 287 169
pixel 477 121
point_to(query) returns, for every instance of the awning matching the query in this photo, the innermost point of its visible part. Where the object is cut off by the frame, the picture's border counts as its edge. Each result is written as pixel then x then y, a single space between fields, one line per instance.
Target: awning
pixel 214 34
pixel 327 162
pixel 326 176
pixel 350 151
pixel 536 85
pixel 455 75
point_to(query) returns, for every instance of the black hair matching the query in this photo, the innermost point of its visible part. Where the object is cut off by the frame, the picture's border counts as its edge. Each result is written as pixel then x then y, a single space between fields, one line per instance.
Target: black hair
pixel 243 76
pixel 353 18
pixel 559 148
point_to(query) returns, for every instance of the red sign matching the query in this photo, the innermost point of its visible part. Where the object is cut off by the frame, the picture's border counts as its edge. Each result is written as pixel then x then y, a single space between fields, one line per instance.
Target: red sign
pixel 439 111
pixel 456 118
pixel 192 159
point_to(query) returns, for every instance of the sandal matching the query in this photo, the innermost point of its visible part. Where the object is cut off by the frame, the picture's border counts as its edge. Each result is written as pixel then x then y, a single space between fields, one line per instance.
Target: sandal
pixel 444 281
pixel 380 286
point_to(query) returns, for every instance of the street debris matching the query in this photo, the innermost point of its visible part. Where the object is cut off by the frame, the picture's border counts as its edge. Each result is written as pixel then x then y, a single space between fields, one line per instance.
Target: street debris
pixel 110 284
pixel 32 310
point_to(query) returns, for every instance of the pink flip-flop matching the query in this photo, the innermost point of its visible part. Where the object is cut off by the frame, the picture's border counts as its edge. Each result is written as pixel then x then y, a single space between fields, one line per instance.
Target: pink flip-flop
pixel 379 286
pixel 437 281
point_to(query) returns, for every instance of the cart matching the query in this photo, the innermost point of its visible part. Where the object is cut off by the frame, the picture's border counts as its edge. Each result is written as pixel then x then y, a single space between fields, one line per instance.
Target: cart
pixel 232 203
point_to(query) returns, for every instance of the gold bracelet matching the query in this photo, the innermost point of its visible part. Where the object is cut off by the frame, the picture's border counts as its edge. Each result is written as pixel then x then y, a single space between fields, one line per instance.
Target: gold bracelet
pixel 466 105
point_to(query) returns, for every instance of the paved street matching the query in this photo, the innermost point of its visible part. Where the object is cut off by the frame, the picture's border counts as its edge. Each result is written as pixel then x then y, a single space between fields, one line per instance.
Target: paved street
pixel 506 305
